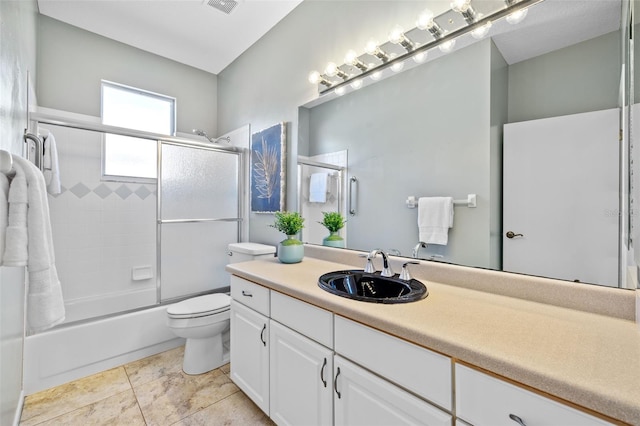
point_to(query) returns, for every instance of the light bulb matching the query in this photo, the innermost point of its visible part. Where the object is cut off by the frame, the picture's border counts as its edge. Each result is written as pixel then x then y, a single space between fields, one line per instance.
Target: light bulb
pixel 517 16
pixel 460 5
pixel 356 84
pixel 371 47
pixel 351 58
pixel 447 46
pixel 482 31
pixel 314 77
pixel 420 57
pixel 397 67
pixel 396 36
pixel 376 75
pixel 331 70
pixel 340 91
pixel 425 19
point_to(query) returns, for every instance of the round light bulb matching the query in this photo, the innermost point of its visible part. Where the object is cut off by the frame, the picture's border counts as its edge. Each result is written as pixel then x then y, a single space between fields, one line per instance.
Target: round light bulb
pixel 420 57
pixel 460 6
pixel 376 75
pixel 482 31
pixel 314 77
pixel 351 58
pixel 331 70
pixel 371 47
pixel 356 84
pixel 397 67
pixel 425 19
pixel 517 16
pixel 396 35
pixel 340 91
pixel 447 46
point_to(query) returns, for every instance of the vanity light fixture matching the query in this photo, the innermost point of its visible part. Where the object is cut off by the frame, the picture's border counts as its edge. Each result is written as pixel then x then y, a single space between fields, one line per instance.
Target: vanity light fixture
pixel 397 36
pixel 351 59
pixel 332 70
pixel 444 29
pixel 373 49
pixel 464 8
pixel 316 78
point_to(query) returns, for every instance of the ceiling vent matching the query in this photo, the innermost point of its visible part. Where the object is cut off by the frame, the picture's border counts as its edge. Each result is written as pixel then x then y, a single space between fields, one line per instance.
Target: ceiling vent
pixel 225 6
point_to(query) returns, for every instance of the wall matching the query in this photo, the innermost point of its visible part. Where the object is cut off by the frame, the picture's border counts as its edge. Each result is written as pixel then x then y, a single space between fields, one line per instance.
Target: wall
pixel 17 60
pixel 72 62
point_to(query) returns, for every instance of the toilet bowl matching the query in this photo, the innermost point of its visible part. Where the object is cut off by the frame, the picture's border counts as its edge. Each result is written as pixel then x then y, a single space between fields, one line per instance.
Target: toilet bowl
pixel 204 320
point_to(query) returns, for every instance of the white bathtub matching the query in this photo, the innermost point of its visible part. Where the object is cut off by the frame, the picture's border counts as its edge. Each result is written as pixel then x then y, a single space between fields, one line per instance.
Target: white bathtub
pixel 58 356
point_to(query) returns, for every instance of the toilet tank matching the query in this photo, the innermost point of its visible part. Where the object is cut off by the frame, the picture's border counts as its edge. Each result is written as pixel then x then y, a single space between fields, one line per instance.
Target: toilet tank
pixel 243 252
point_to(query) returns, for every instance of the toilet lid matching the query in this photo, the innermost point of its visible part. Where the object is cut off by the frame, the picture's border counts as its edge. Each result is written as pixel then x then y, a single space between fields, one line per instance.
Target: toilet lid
pixel 207 304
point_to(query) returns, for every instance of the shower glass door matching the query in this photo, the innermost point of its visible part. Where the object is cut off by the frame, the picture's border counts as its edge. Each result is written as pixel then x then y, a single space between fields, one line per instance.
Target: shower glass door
pixel 198 216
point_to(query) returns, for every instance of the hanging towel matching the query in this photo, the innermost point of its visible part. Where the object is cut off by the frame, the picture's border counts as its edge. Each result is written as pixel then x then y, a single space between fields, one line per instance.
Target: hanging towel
pixel 435 217
pixel 4 211
pixel 318 188
pixel 29 240
pixel 51 168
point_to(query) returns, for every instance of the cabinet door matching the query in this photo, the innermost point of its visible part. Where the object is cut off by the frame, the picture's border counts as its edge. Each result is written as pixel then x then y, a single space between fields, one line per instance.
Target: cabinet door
pixel 250 353
pixel 361 398
pixel 301 384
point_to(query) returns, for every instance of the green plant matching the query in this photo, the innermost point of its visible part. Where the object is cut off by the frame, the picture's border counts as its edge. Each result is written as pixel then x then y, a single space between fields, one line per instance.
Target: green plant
pixel 333 221
pixel 289 223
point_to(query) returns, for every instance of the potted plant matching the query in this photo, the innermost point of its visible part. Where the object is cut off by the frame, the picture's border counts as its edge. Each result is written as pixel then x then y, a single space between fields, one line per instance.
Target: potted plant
pixel 334 222
pixel 290 250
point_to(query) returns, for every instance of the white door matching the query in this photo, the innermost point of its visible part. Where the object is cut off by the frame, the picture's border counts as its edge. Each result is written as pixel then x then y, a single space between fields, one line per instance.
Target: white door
pixel 361 398
pixel 561 197
pixel 301 385
pixel 250 353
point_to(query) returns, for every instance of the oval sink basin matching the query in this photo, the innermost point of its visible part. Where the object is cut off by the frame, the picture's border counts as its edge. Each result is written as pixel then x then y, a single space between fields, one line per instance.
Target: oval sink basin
pixel 359 285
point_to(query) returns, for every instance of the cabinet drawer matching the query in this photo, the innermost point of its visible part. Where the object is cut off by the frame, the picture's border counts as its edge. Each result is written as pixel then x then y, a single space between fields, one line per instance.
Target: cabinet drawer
pixel 250 294
pixel 417 369
pixel 485 400
pixel 306 319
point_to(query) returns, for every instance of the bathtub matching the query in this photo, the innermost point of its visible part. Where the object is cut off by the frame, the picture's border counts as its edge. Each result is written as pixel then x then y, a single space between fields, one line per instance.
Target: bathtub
pixel 70 352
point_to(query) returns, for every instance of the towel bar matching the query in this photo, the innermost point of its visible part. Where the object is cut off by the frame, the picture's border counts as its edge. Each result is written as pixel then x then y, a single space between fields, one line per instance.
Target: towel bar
pixel 412 201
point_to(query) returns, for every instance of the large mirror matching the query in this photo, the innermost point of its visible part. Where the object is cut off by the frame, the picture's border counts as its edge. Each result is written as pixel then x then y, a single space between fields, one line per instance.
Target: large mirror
pixel 526 120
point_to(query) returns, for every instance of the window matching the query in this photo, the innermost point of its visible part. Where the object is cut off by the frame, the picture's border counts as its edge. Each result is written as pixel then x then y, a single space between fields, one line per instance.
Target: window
pixel 128 157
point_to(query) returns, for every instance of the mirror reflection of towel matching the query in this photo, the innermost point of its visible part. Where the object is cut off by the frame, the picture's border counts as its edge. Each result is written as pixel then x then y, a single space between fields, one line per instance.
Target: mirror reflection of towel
pixel 435 217
pixel 318 188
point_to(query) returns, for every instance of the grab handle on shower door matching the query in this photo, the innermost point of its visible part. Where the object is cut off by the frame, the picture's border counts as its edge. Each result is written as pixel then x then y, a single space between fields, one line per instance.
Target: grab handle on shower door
pixel 353 195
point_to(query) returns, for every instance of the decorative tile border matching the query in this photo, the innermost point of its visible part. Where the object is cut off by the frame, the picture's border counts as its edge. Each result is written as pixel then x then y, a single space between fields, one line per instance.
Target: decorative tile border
pixel 124 191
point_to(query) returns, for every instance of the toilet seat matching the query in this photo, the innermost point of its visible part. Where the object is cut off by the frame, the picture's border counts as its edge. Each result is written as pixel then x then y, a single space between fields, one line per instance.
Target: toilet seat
pixel 200 306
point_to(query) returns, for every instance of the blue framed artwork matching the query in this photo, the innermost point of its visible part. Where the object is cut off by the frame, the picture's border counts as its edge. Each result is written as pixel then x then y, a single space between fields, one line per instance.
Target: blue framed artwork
pixel 268 166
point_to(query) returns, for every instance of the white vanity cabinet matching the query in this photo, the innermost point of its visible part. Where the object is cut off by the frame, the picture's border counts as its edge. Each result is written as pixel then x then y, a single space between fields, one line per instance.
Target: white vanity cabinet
pixel 362 398
pixel 485 400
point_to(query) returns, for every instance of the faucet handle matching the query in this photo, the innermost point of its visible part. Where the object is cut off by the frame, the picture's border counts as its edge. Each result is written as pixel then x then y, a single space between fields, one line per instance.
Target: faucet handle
pixel 368 268
pixel 404 274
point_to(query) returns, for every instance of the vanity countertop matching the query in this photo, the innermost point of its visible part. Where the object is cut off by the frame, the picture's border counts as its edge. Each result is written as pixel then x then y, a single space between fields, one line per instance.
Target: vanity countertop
pixel 587 359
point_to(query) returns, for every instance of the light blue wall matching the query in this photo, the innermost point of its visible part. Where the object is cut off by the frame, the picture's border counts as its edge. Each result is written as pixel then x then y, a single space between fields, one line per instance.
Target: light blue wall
pixel 17 61
pixel 72 61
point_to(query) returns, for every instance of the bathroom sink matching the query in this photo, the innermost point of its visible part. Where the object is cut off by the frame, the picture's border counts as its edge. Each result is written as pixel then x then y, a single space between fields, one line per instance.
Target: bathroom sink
pixel 366 287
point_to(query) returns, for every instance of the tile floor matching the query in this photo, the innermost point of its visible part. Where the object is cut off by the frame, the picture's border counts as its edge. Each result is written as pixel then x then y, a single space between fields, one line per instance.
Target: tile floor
pixel 151 391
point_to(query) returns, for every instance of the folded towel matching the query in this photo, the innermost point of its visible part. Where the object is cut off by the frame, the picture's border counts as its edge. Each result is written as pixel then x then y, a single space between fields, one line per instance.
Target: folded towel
pixel 318 188
pixel 435 217
pixel 4 211
pixel 45 305
pixel 51 167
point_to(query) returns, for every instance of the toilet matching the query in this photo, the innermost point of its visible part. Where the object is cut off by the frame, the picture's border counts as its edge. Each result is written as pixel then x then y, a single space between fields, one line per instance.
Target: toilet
pixel 204 320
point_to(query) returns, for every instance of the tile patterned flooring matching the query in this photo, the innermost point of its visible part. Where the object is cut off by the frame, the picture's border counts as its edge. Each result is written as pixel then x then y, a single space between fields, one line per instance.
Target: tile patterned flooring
pixel 151 391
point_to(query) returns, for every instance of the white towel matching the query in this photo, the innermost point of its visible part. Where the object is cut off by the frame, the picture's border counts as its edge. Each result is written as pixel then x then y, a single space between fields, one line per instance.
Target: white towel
pixel 435 217
pixel 318 188
pixel 30 242
pixel 4 211
pixel 51 167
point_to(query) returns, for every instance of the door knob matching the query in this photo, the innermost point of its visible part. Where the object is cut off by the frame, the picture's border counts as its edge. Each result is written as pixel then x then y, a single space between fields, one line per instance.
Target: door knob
pixel 511 234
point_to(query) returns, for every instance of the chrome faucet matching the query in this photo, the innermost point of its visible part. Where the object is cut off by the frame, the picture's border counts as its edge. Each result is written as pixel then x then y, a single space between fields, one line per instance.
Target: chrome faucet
pixel 386 268
pixel 417 248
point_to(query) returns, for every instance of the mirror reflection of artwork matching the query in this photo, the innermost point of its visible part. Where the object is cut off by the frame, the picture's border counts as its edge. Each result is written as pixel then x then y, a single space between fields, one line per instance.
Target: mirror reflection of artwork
pixel 268 162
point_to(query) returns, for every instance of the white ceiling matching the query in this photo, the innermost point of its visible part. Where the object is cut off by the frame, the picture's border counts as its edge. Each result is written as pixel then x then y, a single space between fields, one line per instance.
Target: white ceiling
pixel 187 31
